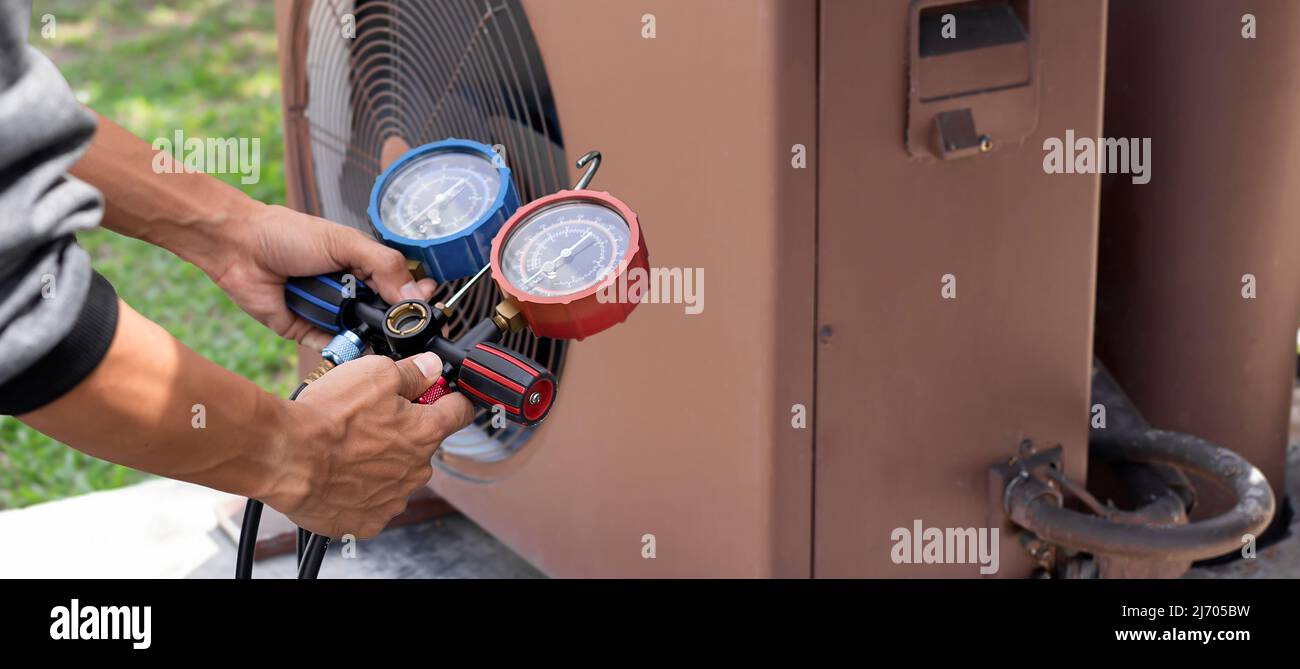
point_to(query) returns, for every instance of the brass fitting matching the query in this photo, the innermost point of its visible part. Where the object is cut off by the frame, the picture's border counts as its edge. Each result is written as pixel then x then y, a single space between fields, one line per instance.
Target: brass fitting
pixel 508 316
pixel 406 317
pixel 325 366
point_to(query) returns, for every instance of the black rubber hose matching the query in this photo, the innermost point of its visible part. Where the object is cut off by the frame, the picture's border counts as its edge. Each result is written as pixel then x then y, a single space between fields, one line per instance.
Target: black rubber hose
pixel 248 539
pixel 313 557
pixel 245 553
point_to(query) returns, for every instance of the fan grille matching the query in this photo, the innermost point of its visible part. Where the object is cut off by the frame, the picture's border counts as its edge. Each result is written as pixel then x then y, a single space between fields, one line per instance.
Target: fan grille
pixel 419 72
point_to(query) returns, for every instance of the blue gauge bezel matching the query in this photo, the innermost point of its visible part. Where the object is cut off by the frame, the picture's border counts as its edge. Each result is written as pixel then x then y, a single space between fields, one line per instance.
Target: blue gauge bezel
pixel 428 246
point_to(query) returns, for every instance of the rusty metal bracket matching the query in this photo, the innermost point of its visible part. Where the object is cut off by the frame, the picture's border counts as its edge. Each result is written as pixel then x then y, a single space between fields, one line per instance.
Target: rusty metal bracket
pixel 1029 475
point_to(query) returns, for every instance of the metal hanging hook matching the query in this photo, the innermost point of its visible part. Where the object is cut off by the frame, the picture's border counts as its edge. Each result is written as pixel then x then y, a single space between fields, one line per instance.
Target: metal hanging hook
pixel 592 157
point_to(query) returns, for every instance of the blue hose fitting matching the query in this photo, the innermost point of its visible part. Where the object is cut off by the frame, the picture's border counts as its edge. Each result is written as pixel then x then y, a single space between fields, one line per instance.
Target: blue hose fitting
pixel 345 347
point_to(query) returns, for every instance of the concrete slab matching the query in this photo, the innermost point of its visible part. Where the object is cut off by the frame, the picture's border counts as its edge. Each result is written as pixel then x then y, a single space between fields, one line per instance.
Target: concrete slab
pixel 448 547
pixel 168 529
pixel 157 529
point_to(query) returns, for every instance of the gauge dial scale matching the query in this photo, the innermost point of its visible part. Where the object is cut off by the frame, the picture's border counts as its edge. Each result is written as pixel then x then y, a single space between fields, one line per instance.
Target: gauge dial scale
pixel 557 254
pixel 442 203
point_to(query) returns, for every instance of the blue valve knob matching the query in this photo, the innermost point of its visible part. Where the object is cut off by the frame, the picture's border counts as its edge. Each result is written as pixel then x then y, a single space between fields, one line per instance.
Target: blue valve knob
pixel 321 300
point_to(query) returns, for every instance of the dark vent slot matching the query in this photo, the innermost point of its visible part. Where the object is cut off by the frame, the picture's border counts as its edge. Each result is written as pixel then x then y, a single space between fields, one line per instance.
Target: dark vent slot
pixel 978 26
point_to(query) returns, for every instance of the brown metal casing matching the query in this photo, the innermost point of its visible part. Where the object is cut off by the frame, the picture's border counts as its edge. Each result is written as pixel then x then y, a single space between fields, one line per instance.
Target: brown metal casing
pixel 670 424
pixel 1172 323
pixel 918 395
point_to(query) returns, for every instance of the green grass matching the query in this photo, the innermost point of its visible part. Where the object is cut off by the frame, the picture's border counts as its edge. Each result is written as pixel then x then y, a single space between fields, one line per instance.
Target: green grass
pixel 206 67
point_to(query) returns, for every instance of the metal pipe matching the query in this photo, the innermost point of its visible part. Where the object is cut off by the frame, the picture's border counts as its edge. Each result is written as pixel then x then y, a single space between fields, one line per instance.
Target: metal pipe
pixel 1146 482
pixel 1150 462
pixel 1031 507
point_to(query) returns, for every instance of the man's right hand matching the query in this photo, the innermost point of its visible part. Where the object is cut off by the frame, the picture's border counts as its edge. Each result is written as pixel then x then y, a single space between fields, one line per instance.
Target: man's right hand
pixel 359 447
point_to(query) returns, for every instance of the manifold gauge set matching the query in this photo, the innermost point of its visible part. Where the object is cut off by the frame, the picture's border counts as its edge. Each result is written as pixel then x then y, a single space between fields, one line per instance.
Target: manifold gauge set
pixel 452 207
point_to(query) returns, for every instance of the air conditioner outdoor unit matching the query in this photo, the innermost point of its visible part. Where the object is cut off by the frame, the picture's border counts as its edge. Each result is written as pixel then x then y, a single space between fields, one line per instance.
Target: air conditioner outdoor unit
pixel 895 292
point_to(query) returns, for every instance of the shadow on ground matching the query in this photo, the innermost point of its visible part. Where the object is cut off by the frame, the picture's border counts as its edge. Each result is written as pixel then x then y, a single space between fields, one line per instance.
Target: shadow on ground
pixel 447 547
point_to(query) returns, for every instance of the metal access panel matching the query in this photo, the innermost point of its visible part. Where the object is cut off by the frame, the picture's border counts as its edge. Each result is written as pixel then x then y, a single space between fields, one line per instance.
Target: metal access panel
pixel 917 395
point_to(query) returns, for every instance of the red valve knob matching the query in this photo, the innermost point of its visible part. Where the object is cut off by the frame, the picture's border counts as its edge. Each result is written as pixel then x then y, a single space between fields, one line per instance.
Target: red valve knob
pixel 435 391
pixel 494 376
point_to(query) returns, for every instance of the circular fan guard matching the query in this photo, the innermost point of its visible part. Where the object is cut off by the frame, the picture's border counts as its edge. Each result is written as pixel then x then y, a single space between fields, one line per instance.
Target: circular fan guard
pixel 364 75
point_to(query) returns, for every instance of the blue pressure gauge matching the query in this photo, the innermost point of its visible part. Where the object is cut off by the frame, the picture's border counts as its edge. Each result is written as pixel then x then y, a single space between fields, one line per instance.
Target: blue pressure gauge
pixel 442 203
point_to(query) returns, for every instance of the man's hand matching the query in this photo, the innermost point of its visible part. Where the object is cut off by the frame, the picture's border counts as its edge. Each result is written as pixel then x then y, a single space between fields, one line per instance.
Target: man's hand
pixel 364 447
pixel 255 257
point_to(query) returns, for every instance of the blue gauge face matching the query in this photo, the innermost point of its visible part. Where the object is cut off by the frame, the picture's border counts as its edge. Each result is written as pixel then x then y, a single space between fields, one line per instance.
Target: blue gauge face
pixel 439 194
pixel 565 249
pixel 441 204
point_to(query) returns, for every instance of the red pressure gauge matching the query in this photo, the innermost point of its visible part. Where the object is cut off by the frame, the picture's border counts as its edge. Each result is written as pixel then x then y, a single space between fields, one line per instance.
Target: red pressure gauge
pixel 565 259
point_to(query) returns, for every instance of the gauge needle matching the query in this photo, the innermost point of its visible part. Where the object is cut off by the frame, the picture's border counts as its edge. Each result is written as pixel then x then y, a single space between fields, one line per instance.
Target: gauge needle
pixel 438 200
pixel 435 217
pixel 550 266
pixel 451 192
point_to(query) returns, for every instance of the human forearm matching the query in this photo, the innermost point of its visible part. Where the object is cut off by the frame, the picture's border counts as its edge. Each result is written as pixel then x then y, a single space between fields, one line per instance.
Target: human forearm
pixel 157 406
pixel 248 248
pixel 194 215
pixel 341 459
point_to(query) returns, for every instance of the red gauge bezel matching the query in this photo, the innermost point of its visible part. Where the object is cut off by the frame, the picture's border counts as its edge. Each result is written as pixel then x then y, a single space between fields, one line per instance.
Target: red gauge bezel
pixel 582 314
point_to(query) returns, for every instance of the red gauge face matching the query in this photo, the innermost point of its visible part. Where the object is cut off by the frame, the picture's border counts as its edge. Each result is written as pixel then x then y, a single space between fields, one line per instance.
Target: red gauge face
pixel 561 258
pixel 565 248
